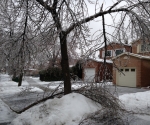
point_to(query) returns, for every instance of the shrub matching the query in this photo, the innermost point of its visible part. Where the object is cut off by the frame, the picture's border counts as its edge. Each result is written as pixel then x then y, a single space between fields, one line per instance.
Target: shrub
pixel 15 79
pixel 51 74
pixel 77 69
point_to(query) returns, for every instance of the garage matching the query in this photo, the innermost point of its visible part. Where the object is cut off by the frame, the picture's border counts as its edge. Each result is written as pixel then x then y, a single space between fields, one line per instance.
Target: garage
pixel 127 77
pixel 89 74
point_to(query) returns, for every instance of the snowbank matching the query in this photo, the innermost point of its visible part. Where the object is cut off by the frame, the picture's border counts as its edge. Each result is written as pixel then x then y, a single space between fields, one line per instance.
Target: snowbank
pixel 134 101
pixel 7 114
pixel 68 110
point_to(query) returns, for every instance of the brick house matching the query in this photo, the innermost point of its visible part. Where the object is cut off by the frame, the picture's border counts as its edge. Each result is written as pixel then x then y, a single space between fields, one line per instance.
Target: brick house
pixel 114 49
pixel 93 69
pixel 132 60
pixel 135 70
pixel 138 47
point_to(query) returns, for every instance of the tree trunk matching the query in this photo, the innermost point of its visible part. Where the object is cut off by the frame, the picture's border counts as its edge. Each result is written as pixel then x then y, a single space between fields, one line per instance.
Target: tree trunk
pixel 14 73
pixel 20 79
pixel 65 63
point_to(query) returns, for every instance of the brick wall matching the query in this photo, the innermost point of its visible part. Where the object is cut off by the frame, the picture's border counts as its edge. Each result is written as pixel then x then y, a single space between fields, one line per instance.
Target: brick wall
pixel 136 47
pixel 98 69
pixel 145 73
pixel 114 46
pixel 128 61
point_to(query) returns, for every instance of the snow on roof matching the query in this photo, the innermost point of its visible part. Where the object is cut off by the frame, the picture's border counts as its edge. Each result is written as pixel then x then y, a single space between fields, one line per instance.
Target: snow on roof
pixel 100 60
pixel 134 55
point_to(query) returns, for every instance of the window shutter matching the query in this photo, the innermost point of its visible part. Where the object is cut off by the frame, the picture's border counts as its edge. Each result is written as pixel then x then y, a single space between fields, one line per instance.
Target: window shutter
pixel 103 54
pixel 124 50
pixel 138 48
pixel 114 52
pixel 111 53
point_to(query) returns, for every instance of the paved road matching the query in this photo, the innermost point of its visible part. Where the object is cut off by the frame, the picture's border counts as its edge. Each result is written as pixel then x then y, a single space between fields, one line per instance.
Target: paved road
pixel 22 99
pixel 35 84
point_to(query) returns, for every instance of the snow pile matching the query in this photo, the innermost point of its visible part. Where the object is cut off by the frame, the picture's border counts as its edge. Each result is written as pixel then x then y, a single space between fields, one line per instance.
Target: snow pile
pixel 134 101
pixel 68 110
pixel 7 114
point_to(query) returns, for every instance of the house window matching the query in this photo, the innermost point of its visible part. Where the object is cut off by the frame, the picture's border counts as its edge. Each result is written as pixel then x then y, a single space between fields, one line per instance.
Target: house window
pixel 132 70
pixel 108 53
pixel 118 51
pixel 121 70
pixel 126 70
pixel 145 48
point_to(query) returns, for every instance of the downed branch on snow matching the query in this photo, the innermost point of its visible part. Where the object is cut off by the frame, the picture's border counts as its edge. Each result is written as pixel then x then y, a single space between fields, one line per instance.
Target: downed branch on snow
pixel 106 116
pixel 101 95
pixel 112 111
pixel 55 93
pixel 37 102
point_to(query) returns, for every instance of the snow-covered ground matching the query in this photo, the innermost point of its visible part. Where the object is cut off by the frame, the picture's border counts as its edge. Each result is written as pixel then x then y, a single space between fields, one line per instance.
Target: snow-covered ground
pixel 8 86
pixel 68 110
pixel 133 101
pixel 5 113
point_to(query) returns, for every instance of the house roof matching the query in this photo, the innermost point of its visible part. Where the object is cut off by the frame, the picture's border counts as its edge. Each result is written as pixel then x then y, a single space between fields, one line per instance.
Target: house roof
pixel 100 60
pixel 116 43
pixel 140 40
pixel 134 55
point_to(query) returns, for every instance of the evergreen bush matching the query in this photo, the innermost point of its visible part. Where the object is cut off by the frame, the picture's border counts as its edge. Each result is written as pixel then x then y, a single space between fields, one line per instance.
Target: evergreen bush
pixel 15 79
pixel 77 70
pixel 51 74
pixel 55 73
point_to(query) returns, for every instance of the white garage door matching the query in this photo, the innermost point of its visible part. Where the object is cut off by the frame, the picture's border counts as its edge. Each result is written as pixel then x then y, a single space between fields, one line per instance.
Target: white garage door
pixel 127 77
pixel 89 74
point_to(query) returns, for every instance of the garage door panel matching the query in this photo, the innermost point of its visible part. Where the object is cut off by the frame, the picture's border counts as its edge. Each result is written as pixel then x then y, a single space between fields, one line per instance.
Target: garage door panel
pixel 127 77
pixel 89 74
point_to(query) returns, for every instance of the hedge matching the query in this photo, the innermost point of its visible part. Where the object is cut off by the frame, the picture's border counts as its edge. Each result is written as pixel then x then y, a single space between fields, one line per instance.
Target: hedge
pixel 55 73
pixel 51 74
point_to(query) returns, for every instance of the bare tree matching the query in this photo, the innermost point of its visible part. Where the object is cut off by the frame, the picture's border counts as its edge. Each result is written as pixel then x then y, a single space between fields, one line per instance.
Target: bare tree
pixel 16 47
pixel 69 16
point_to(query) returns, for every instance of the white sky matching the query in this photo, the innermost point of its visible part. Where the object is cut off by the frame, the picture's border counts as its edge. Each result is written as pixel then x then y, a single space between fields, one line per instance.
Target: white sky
pixel 97 24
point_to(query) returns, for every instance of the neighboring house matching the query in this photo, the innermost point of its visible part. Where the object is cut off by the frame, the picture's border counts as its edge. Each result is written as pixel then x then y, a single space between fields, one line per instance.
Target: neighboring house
pixel 94 67
pixel 114 49
pixel 138 47
pixel 131 64
pixel 31 72
pixel 94 70
pixel 134 70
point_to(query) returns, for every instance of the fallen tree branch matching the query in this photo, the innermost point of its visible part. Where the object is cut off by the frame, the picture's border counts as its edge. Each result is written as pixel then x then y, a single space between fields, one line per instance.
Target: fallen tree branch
pixel 60 94
pixel 37 102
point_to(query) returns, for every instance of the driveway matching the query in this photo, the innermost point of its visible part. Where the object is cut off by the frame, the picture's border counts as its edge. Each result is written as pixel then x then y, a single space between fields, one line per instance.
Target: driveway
pixel 118 90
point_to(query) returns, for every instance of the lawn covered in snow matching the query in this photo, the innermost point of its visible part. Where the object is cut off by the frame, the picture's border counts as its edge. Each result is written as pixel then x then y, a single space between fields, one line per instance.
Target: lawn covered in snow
pixel 7 86
pixel 68 110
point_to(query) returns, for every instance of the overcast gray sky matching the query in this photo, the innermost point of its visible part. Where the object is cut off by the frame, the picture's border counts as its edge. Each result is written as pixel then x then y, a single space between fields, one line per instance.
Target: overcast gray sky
pixel 97 24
